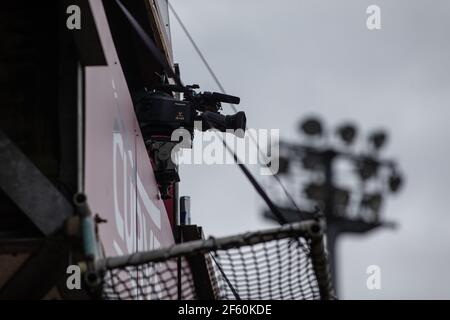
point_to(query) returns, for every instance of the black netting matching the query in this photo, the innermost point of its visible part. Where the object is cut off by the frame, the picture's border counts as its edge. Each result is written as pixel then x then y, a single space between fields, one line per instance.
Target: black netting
pixel 284 263
pixel 279 269
pixel 166 280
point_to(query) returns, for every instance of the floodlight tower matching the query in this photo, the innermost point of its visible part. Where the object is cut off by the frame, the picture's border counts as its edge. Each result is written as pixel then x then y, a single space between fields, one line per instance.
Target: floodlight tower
pixel 345 185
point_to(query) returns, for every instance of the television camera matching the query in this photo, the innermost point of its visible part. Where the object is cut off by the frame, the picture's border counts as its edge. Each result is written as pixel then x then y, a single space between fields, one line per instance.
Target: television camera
pixel 160 113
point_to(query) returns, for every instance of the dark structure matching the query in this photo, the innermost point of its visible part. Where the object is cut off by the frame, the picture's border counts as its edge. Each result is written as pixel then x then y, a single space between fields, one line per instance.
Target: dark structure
pixel 345 185
pixel 79 178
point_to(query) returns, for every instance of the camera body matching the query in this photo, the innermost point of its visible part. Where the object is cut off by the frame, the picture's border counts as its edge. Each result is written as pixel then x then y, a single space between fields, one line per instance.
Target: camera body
pixel 159 113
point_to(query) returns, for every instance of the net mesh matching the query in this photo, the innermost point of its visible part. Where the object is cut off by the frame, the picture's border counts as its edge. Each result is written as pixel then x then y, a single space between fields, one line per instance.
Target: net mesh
pixel 279 269
pixel 165 280
pixel 252 266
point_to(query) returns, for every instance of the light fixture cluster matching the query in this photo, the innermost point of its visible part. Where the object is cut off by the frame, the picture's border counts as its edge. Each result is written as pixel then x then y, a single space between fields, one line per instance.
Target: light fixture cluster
pixel 373 176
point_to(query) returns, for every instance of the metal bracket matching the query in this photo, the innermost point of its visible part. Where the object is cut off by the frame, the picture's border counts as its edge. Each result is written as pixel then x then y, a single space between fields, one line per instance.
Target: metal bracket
pixel 31 190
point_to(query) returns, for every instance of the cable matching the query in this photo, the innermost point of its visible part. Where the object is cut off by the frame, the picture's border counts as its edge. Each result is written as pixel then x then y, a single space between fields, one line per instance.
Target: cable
pixel 256 185
pixel 150 44
pixel 197 49
pixel 219 84
pixel 232 288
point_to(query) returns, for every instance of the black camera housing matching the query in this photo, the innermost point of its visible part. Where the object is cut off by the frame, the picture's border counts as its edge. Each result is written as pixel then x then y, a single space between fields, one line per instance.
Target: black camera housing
pixel 159 113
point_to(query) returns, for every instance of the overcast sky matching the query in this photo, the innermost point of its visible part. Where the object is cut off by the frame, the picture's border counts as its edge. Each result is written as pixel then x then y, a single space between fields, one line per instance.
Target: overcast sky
pixel 288 59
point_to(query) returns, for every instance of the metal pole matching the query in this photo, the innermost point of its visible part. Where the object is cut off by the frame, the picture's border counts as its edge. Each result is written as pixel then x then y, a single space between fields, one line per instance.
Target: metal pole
pixel 332 228
pixel 332 234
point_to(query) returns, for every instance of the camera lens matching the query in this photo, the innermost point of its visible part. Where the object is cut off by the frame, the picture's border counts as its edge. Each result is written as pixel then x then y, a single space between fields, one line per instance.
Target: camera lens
pixel 236 121
pixel 213 120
